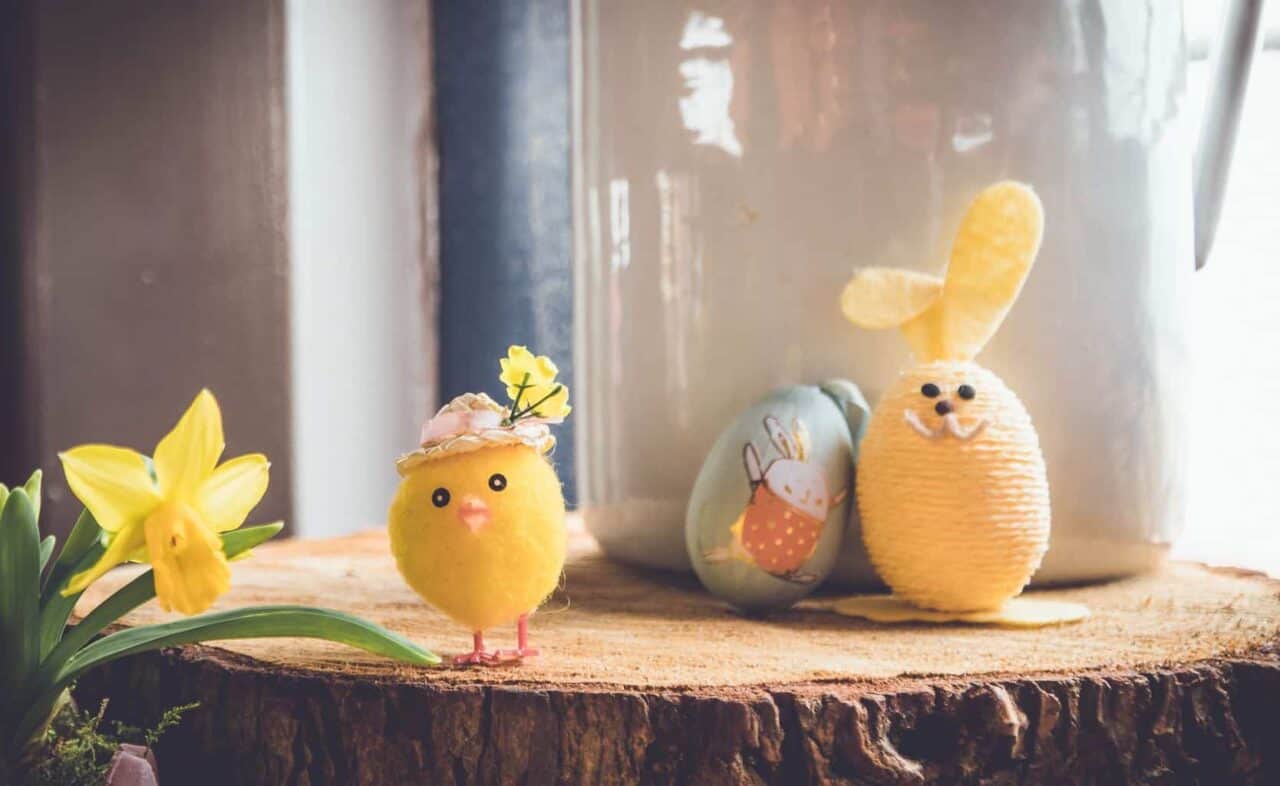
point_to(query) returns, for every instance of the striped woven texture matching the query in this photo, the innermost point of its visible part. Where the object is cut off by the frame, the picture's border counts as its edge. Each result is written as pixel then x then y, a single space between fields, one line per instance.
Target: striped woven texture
pixel 950 524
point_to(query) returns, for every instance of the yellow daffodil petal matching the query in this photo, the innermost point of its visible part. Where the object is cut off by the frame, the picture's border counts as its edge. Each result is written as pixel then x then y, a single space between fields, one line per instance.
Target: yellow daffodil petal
pixel 186 557
pixel 546 368
pixel 555 406
pixel 520 366
pixel 113 483
pixel 185 458
pixel 515 365
pixel 233 490
pixel 531 384
pixel 118 549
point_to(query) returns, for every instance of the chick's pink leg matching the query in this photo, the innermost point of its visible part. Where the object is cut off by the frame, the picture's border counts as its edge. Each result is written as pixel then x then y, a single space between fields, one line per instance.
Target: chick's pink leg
pixel 522 650
pixel 522 637
pixel 477 655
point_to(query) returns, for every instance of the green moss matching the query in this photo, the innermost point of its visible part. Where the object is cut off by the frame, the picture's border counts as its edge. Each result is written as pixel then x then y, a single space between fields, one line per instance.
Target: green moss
pixel 79 745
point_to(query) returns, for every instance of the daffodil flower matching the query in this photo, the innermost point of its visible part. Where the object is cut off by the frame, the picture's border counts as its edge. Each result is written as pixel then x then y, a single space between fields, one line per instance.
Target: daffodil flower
pixel 171 519
pixel 522 368
pixel 531 385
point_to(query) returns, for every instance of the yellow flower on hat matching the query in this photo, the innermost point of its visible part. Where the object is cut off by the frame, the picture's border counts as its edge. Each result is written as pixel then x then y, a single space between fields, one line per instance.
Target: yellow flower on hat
pixel 531 385
pixel 554 403
pixel 170 519
pixel 522 367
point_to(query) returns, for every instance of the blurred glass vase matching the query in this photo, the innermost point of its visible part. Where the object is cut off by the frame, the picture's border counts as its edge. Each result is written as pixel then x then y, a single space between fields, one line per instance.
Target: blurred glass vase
pixel 735 163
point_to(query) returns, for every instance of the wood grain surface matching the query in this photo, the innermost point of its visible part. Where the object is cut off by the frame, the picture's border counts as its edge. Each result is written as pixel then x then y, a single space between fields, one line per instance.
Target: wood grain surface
pixel 647 679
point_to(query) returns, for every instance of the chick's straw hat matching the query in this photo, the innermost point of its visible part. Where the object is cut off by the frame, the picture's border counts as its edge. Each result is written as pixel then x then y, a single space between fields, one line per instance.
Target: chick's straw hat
pixel 470 422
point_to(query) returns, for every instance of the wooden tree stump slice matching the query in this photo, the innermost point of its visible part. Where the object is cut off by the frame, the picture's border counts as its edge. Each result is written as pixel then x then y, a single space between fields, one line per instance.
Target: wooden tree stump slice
pixel 645 678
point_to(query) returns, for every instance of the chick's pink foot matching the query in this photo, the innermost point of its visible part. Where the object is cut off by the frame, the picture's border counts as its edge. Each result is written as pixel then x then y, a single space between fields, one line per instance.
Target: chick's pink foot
pixel 477 656
pixel 522 650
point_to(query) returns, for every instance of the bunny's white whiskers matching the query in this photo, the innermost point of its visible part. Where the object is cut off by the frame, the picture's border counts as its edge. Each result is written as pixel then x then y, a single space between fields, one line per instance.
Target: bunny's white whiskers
pixel 913 420
pixel 952 424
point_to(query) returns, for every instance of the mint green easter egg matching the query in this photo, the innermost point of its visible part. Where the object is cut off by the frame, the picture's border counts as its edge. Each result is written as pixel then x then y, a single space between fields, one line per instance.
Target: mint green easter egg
pixel 772 505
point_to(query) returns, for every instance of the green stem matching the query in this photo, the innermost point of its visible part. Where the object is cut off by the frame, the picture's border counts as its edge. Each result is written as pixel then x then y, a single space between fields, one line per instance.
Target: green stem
pixel 515 405
pixel 537 403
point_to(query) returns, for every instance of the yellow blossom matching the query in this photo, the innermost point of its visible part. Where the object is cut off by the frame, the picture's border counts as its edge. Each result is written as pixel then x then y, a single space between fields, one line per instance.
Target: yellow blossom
pixel 555 403
pixel 531 385
pixel 171 520
pixel 521 367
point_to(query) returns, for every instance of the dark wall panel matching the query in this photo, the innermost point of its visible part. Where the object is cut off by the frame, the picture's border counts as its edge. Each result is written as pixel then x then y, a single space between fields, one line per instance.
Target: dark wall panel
pixel 154 260
pixel 503 120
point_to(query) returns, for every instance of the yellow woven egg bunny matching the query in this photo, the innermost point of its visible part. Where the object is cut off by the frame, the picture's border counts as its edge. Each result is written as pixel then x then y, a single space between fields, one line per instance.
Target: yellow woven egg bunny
pixel 951 483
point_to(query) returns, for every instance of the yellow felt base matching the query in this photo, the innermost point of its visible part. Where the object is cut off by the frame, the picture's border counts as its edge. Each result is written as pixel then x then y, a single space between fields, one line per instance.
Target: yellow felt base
pixel 1021 612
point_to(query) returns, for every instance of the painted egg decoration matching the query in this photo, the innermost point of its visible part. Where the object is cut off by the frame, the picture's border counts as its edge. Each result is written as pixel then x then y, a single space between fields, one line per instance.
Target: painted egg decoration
pixel 789 503
pixel 770 507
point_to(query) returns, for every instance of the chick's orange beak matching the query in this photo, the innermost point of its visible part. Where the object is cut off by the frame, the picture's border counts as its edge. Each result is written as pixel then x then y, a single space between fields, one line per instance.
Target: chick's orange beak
pixel 474 513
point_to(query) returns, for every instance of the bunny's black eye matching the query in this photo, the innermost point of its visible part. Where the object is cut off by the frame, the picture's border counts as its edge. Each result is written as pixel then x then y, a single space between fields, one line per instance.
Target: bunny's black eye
pixel 497 481
pixel 966 392
pixel 929 390
pixel 440 497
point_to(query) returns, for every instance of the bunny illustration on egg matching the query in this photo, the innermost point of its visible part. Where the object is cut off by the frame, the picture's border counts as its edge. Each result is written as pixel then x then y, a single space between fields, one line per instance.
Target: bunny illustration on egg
pixel 952 489
pixel 769 514
pixel 781 525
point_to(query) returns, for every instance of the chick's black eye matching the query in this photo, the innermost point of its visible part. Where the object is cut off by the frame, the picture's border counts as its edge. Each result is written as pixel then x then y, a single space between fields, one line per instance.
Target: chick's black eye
pixel 929 390
pixel 440 497
pixel 966 392
pixel 497 481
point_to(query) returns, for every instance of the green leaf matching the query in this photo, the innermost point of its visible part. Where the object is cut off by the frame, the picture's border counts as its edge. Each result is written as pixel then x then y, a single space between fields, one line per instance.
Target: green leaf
pixel 79 552
pixel 238 541
pixel 54 611
pixel 19 591
pixel 251 623
pixel 32 487
pixel 46 551
pixel 54 608
pixel 58 644
pixel 137 592
pixel 84 536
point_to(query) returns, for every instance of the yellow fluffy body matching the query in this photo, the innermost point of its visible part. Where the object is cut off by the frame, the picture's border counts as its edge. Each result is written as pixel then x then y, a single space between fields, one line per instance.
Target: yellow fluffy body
pixel 950 524
pixel 490 577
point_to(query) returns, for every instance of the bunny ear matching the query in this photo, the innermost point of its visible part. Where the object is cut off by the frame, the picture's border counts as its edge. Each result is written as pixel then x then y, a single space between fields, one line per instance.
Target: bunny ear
pixel 780 438
pixel 801 434
pixel 879 297
pixel 751 460
pixel 990 259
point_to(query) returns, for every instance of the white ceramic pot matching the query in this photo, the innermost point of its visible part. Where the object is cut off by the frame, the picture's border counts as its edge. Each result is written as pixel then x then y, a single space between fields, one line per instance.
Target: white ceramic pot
pixel 735 166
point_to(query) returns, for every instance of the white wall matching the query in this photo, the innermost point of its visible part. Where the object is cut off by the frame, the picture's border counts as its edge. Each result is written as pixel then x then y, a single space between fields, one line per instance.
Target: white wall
pixel 362 375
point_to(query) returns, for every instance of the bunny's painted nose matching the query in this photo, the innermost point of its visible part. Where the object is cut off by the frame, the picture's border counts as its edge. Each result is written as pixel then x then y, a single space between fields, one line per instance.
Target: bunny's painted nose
pixel 942 407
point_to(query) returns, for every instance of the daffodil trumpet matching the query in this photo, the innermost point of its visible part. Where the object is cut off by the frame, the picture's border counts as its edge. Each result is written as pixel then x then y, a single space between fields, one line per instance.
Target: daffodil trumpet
pixel 181 512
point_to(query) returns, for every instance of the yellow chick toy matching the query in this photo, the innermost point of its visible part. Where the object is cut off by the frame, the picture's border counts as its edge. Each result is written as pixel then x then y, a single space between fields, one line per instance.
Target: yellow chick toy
pixel 478 523
pixel 951 486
